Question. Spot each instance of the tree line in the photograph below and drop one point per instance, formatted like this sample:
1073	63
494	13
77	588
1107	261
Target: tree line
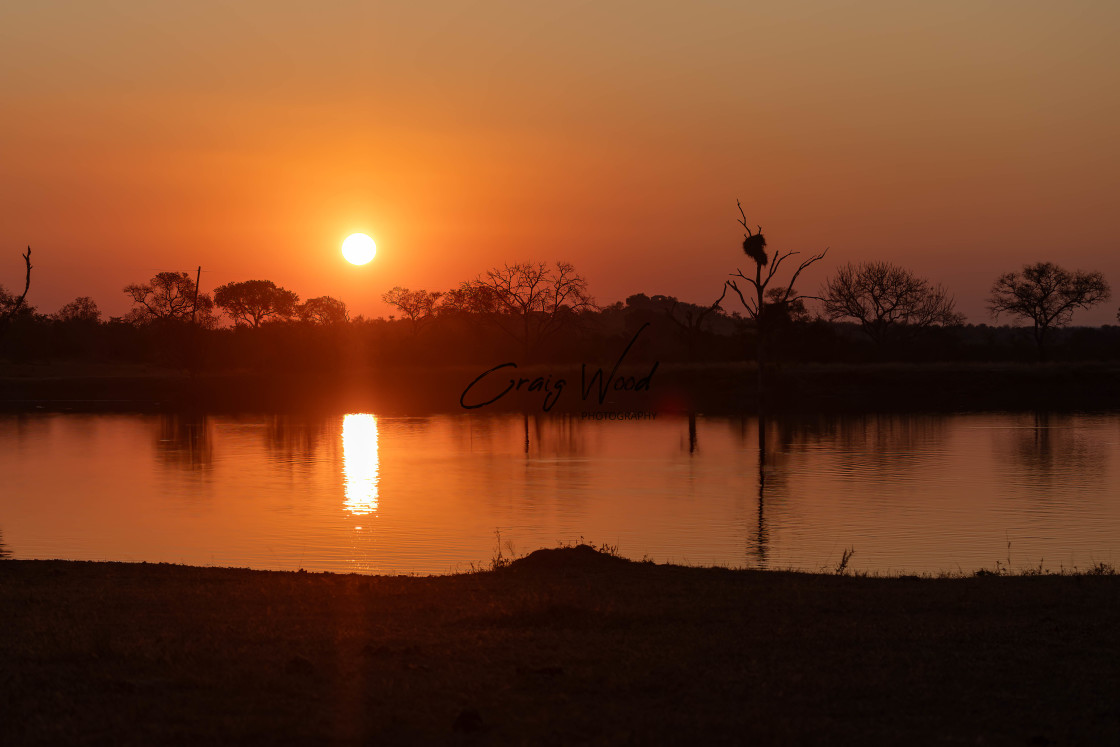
544	311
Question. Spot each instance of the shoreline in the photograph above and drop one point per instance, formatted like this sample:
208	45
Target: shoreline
710	389
561	646
839	569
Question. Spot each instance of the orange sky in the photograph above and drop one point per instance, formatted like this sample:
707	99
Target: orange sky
960	139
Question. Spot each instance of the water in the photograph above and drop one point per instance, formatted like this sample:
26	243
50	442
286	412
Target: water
360	493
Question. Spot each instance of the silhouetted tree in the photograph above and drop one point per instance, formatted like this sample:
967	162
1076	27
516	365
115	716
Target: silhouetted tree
169	297
1047	295
784	309
252	302
537	299
888	301
11	305
470	297
754	246
323	310
689	318
81	309
417	306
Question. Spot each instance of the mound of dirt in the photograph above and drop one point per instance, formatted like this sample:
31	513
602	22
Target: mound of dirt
580	556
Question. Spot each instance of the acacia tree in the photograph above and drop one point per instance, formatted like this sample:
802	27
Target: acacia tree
888	301
323	310
82	309
170	297
533	300
766	300
1047	295
417	306
252	302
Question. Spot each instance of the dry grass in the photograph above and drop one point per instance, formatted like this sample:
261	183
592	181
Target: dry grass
563	646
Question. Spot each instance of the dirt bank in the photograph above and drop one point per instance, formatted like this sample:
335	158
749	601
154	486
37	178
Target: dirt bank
566	646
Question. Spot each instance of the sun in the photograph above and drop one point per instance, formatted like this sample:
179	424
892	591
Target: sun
358	248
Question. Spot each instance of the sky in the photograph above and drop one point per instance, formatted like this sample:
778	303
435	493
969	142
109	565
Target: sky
960	139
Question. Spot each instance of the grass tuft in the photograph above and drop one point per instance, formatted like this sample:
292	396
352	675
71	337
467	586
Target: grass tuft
842	566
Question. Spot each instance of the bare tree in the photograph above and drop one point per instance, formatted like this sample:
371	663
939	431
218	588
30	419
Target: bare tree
888	301
169	297
1047	295
754	246
11	305
253	302
537	299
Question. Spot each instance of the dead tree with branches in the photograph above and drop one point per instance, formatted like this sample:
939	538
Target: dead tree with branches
765	298
11	305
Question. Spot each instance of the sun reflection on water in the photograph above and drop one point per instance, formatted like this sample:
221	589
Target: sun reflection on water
360	463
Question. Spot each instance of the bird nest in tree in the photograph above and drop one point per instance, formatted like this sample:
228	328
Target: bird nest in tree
754	246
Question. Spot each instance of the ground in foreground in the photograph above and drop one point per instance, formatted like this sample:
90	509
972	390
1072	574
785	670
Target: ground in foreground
565	646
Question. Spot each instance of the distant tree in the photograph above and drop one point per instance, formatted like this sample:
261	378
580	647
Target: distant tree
169	297
11	305
470	297
417	306
81	309
536	299
888	301
252	302
785	309
779	298
323	310
689	318
1047	295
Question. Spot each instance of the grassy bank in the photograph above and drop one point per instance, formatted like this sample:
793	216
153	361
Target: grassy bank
564	646
711	389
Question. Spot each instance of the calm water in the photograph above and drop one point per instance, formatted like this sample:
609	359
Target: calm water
429	495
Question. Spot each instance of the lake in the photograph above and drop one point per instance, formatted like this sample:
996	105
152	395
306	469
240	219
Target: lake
368	494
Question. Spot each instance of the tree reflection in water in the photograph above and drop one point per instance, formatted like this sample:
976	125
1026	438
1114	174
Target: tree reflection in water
1057	447
295	440
762	537
561	435
185	440
775	438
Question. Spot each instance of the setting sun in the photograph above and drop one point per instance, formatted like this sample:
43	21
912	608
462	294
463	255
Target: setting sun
358	248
